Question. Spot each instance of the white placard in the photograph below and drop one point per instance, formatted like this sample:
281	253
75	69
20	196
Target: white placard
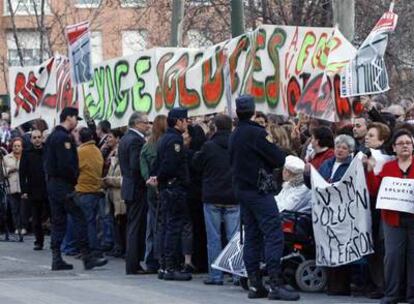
396	194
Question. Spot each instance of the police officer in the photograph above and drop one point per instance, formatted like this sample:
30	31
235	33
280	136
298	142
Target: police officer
171	175
62	170
251	152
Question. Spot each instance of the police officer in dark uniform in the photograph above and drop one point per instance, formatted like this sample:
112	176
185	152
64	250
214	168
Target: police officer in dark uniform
171	175
62	170
250	153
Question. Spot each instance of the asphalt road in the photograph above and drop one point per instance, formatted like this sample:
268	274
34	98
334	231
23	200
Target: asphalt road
25	277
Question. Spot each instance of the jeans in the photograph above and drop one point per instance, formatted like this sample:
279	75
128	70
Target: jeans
69	244
214	216
18	210
106	223
89	203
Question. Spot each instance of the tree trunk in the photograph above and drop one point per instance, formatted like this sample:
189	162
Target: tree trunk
344	17
177	23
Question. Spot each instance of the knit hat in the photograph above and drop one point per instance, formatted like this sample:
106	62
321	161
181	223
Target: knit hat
294	164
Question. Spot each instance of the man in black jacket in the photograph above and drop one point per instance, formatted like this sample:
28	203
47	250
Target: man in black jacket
133	189
33	184
213	161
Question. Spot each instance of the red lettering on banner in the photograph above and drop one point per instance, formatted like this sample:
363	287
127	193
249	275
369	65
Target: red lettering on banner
189	98
213	85
159	98
242	46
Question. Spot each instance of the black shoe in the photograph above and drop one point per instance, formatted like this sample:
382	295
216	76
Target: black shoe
189	268
280	292
61	265
256	287
210	281
161	273
177	276
38	247
90	262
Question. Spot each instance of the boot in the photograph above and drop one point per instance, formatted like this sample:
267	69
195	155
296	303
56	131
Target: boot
256	287
90	261
280	292
174	275
58	263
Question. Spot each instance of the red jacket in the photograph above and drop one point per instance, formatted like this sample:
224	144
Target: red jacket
319	158
390	169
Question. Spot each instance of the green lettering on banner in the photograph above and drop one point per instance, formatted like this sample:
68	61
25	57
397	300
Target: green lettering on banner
122	96
308	42
141	101
96	110
110	100
272	83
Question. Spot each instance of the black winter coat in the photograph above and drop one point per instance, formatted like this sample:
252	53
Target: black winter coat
32	174
213	161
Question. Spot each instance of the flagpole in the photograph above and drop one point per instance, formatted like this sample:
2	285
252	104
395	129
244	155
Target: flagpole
392	6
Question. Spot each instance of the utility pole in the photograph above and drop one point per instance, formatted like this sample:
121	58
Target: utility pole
237	18
177	23
344	17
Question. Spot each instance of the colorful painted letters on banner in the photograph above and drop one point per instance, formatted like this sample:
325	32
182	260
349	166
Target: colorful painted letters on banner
287	69
41	91
341	217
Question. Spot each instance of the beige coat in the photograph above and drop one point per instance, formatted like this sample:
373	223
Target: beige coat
11	171
113	181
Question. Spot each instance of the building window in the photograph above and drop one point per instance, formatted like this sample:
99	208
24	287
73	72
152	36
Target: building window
96	47
133	3
29	42
196	39
87	3
134	41
26	7
200	2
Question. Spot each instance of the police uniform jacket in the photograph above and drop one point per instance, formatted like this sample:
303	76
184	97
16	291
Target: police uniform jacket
61	156
250	151
171	166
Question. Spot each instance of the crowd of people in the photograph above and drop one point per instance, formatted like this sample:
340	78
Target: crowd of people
166	195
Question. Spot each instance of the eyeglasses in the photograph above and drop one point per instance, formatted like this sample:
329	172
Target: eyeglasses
405	143
144	122
36	137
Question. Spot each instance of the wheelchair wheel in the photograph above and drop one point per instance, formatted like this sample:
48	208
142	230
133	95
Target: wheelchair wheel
310	277
244	283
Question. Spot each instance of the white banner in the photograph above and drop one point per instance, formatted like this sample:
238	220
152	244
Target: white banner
396	194
286	69
79	49
231	258
366	73
341	217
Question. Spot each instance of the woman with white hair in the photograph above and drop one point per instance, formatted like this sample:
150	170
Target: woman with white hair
334	168
294	196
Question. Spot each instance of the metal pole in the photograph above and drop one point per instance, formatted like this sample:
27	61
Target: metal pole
237	18
344	17
177	23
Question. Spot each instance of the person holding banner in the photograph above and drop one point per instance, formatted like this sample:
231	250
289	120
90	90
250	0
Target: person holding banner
332	170
398	225
253	157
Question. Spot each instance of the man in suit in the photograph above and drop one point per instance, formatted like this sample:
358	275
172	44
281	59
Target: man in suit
133	189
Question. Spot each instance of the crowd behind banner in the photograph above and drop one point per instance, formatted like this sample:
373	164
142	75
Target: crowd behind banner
382	241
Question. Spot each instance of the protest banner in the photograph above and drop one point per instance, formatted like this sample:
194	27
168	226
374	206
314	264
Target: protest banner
41	91
341	217
396	194
230	259
287	69
367	74
79	49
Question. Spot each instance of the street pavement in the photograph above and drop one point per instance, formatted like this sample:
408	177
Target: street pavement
25	277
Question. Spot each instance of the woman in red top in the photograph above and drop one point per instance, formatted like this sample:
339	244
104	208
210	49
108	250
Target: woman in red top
398	226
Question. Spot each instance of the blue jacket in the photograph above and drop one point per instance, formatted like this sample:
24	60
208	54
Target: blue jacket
326	169
61	156
171	167
250	151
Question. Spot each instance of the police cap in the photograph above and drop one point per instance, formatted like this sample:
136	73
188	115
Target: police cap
178	113
68	112
245	103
